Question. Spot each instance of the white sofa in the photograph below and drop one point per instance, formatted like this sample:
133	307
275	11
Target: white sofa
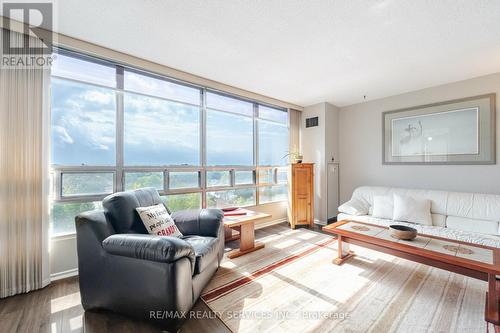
469	217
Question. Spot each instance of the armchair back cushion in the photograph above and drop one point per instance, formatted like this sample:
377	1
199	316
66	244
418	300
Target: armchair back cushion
120	209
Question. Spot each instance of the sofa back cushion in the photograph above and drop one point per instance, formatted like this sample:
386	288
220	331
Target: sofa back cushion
438	198
120	209
474	206
466	224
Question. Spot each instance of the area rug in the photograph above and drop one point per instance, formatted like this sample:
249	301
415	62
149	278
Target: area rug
292	286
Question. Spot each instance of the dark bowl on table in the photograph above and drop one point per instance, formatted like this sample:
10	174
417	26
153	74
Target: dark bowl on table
402	232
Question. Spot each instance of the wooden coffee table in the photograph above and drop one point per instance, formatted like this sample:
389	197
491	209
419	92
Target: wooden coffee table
245	225
480	262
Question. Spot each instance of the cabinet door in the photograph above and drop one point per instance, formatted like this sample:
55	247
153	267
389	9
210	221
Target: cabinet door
302	183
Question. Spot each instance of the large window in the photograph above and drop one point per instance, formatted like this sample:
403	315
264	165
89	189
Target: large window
117	128
83	124
273	136
160	132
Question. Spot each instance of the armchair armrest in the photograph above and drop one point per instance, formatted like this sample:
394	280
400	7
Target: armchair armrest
203	222
149	247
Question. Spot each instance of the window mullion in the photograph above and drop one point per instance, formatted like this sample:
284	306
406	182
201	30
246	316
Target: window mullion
203	148
256	151
119	178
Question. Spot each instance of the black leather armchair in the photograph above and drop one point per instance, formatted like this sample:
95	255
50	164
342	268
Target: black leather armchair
124	269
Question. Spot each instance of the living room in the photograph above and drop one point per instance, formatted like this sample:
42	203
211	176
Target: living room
249	166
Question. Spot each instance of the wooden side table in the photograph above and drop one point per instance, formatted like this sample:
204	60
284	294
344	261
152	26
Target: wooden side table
245	224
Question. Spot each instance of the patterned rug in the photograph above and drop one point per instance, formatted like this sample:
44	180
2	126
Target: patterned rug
292	286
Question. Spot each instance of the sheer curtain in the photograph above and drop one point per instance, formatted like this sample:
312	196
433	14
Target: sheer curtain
23	177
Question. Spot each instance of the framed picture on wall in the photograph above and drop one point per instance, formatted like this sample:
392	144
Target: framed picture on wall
460	131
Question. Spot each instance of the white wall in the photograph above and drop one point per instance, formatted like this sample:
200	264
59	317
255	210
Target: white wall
318	145
332	133
361	145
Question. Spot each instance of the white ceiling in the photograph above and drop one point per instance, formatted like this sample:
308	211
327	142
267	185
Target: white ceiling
303	52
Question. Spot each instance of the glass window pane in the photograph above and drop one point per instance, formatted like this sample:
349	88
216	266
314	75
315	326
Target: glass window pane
176	202
162	88
179	180
272	193
231	198
273	114
83	124
282	175
273	143
62	215
87	183
243	177
158	132
266	176
135	180
229	139
81	70
229	104
218	178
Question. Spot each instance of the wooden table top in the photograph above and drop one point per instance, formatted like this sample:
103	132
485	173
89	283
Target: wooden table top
478	257
250	216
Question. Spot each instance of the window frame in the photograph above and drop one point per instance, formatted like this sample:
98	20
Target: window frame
120	169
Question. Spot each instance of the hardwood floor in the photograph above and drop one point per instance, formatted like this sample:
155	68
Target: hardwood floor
57	309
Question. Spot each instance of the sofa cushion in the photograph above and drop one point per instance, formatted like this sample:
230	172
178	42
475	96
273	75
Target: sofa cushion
383	206
474	225
438	220
158	221
464	236
438	198
205	250
409	209
355	206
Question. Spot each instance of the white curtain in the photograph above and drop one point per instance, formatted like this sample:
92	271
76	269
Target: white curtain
23	177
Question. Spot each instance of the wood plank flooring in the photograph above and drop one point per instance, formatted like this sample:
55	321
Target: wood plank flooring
57	309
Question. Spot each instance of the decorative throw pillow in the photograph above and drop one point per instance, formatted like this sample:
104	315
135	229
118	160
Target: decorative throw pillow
158	221
409	209
354	206
383	206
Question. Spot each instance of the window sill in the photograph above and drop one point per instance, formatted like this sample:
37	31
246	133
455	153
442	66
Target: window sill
63	236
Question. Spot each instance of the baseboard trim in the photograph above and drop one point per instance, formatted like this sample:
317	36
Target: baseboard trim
64	274
320	222
270	223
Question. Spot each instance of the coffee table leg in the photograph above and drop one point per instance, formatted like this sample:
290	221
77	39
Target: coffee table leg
247	237
343	252
247	241
492	311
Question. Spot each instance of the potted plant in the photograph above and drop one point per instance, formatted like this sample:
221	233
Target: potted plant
294	156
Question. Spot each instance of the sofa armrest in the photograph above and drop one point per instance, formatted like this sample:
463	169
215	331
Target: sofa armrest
203	222
149	247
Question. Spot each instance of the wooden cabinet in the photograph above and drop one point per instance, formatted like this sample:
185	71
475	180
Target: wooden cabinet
301	198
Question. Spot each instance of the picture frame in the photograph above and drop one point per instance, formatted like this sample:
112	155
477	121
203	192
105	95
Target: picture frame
460	131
